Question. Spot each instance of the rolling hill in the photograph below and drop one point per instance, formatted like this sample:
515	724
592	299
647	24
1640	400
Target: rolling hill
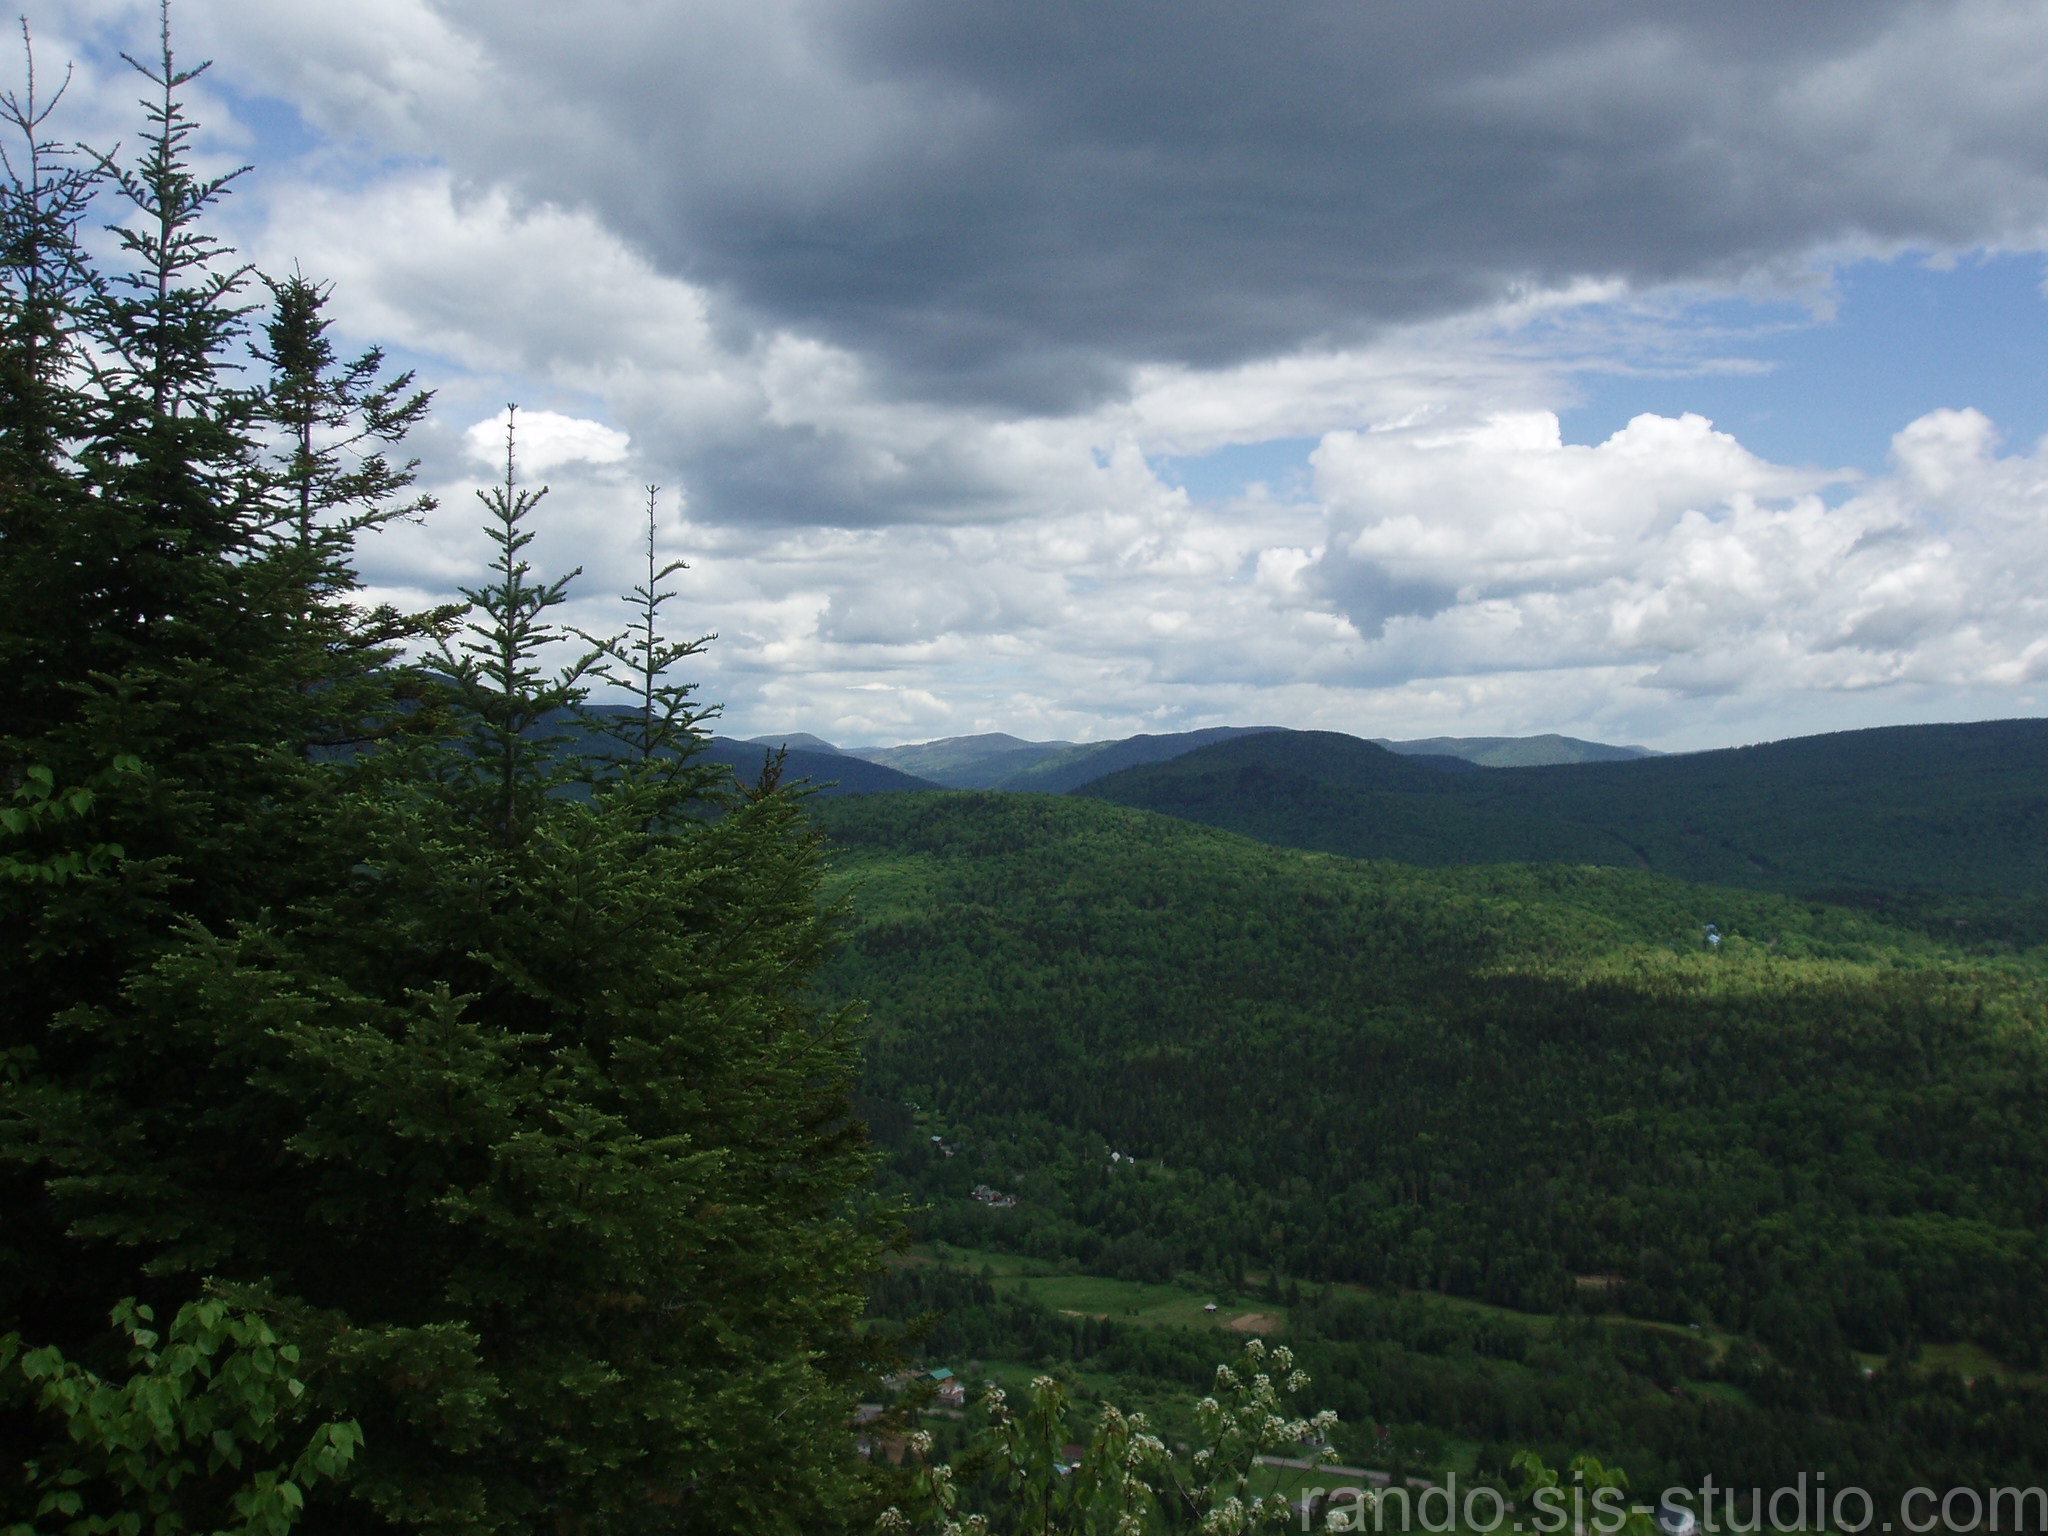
830	772
1516	751
1085	764
1905	811
997	761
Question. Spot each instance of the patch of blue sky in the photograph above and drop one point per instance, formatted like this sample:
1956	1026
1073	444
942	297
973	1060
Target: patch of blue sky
1830	388
1225	474
274	129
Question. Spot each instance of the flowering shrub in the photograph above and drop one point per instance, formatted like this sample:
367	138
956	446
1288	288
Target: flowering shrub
1242	1420
1124	1472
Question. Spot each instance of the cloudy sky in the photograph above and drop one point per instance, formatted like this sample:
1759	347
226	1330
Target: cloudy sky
1673	374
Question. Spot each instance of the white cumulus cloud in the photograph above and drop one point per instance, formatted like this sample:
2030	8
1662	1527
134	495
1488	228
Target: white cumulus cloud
543	440
1672	551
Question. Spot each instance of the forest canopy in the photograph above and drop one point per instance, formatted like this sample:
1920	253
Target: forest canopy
1192	1059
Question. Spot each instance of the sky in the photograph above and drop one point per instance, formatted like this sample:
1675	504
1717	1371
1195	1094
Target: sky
1668	374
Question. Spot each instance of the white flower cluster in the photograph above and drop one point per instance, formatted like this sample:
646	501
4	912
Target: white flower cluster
1235	1516
1126	1468
1245	1419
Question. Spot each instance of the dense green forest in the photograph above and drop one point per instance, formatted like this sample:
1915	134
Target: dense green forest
1542	1086
1948	820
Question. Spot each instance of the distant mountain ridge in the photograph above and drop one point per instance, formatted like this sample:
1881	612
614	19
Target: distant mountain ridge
1915	814
796	741
964	762
996	760
1516	751
828	770
1943	809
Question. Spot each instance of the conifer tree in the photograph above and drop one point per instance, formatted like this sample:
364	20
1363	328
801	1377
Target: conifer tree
518	713
331	413
654	742
154	615
44	197
165	659
508	1106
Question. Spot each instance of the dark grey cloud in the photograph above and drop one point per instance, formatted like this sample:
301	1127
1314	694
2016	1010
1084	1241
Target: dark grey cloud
1016	202
803	475
1368	594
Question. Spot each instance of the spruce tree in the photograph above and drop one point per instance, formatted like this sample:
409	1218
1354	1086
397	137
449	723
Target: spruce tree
518	715
158	612
166	658
655	740
337	419
485	1068
530	1131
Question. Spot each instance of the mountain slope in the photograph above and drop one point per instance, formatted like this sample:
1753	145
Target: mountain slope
1337	794
1486	1081
1517	751
1084	764
1953	808
963	762
1950	809
997	761
797	741
831	773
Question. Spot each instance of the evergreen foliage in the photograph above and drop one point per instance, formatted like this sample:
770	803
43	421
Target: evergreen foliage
517	712
664	724
337	420
482	1070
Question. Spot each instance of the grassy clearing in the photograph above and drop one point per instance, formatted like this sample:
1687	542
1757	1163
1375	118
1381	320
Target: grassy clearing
1176	1306
1725	1391
1541	1324
1971	1362
1128	1301
1179	1306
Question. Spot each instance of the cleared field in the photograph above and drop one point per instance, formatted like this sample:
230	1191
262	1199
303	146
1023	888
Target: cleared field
1155	1305
1971	1363
1127	1301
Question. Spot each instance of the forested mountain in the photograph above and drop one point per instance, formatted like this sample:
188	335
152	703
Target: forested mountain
796	741
1486	1079
1516	751
1810	1126
1906	811
997	761
1005	762
820	768
1083	765
1337	794
964	762
828	772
